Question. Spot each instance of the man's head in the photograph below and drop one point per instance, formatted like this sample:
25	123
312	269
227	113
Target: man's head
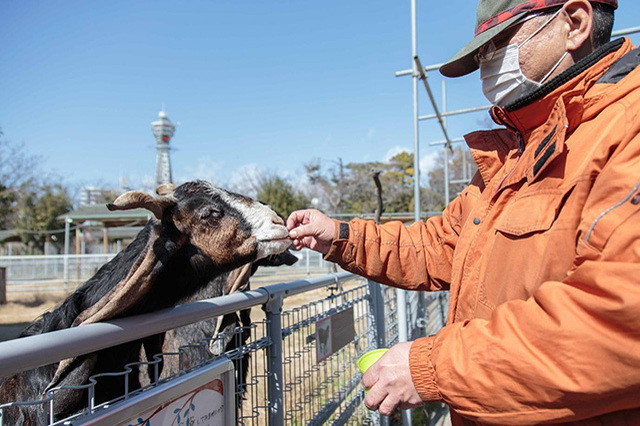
579	27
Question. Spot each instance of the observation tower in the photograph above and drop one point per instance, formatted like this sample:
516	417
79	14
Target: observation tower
163	131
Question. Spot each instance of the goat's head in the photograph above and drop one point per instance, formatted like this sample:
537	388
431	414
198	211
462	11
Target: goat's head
228	228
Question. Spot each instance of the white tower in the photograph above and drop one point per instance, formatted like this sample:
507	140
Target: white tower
163	131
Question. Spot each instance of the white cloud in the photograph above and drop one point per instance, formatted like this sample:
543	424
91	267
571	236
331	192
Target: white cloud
395	151
244	179
427	162
205	168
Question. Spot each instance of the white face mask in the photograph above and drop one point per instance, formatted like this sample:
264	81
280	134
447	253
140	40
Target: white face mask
502	78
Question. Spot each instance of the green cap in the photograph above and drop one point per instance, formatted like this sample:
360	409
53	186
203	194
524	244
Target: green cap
493	17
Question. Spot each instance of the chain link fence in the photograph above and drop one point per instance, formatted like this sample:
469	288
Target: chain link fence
291	377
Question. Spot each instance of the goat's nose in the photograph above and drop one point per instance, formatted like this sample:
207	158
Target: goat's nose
277	220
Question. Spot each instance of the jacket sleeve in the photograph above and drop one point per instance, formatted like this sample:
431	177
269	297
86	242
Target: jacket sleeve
416	257
572	350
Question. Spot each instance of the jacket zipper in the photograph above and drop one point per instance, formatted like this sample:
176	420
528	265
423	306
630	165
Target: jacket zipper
500	117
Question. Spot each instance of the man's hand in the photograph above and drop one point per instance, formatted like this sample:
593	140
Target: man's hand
389	382
312	229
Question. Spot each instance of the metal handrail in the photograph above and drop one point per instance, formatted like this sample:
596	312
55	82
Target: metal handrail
34	351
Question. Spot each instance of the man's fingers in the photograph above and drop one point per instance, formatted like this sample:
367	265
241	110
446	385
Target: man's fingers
370	377
374	397
388	406
302	231
295	219
299	217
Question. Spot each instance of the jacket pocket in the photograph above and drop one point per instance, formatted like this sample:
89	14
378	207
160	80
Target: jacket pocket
532	213
533	242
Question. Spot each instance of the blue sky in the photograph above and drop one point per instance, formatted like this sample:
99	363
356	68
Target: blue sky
269	84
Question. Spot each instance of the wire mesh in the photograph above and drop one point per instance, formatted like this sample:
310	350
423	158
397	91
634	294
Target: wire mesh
325	391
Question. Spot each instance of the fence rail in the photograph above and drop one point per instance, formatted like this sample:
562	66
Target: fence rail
286	382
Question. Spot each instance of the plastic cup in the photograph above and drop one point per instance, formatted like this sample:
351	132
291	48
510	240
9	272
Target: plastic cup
368	359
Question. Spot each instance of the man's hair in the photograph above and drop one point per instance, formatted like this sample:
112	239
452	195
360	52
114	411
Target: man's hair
602	22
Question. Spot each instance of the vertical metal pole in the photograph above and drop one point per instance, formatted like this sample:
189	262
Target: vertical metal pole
273	309
377	334
376	310
401	295
67	224
416	134
446	148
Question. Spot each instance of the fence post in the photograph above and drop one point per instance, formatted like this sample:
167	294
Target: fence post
377	327
67	227
273	309
3	286
376	309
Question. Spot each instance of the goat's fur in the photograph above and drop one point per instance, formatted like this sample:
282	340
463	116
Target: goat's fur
199	233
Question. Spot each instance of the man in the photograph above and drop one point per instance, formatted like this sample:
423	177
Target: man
541	252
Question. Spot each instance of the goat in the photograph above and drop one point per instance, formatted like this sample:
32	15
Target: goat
223	334
198	232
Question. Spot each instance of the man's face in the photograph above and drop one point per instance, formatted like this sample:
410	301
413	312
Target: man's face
542	51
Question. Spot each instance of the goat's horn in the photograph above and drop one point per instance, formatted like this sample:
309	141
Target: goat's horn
135	199
165	188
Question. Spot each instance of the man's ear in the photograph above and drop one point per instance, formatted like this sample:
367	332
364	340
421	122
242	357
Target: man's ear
578	15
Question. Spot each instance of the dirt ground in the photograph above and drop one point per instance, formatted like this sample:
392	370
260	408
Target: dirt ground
22	308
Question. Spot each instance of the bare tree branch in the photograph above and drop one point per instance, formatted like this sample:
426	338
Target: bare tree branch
379	209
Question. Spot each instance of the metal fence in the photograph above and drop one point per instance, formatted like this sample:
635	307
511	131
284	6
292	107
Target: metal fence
287	382
59	272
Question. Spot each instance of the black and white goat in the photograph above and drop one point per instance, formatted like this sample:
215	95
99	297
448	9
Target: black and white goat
199	233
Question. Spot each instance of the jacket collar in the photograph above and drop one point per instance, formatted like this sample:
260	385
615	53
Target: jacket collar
541	120
526	114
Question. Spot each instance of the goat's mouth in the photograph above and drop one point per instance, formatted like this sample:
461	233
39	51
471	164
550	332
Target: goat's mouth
279	234
273	245
276	240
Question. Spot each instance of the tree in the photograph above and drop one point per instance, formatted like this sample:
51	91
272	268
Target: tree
461	168
351	188
327	184
281	195
7	201
18	170
37	211
17	166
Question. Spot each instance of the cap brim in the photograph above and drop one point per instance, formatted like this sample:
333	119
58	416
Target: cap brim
462	62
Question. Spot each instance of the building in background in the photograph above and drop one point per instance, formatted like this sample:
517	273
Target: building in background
92	195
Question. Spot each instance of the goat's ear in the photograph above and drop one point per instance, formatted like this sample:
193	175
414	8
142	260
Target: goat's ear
77	372
138	199
237	280
160	247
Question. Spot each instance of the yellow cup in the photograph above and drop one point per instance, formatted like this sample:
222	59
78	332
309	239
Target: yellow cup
368	359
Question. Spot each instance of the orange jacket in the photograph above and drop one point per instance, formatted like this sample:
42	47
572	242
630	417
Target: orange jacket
541	254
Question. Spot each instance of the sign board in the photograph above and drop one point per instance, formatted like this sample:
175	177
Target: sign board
334	333
205	397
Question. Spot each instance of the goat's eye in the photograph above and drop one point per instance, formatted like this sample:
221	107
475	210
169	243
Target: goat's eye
211	213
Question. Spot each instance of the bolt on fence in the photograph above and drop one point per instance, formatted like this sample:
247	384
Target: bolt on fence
291	378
